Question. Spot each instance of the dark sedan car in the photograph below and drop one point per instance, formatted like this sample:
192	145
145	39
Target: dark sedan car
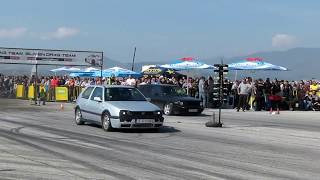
171	99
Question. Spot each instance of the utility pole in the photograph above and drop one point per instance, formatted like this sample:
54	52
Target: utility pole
36	80
134	56
101	67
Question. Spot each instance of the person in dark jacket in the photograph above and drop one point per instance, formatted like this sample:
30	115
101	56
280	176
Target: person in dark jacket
275	97
259	93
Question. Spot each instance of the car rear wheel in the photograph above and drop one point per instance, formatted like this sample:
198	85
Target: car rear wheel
78	117
106	123
167	109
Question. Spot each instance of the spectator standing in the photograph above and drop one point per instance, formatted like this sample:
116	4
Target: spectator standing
71	84
267	93
187	85
210	92
202	93
131	81
243	90
234	92
54	84
259	93
275	97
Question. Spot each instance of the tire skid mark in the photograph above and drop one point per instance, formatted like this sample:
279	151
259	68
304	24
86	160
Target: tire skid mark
90	138
21	139
124	149
110	157
98	139
37	161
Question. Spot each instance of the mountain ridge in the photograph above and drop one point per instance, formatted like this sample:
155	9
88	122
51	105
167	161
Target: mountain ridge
302	62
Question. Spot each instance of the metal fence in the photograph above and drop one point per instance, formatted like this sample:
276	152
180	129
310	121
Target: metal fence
58	93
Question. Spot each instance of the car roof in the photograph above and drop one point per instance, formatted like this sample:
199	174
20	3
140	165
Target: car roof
157	85
111	86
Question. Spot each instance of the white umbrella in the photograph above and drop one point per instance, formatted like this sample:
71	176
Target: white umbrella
73	69
187	63
255	64
117	72
59	69
91	69
66	69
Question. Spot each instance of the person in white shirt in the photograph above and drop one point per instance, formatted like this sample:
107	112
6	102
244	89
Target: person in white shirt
131	81
234	90
243	90
202	93
85	83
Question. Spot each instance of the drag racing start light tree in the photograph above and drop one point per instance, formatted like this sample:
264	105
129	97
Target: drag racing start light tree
220	91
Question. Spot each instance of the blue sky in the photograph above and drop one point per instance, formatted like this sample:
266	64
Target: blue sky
161	30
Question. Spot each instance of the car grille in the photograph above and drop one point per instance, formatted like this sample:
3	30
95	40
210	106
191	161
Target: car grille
143	125
143	115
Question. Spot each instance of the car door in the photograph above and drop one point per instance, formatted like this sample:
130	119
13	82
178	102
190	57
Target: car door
84	100
95	104
156	96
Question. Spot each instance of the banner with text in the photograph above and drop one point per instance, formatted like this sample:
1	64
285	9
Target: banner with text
50	57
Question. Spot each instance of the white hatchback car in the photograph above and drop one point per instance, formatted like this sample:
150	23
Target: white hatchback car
116	107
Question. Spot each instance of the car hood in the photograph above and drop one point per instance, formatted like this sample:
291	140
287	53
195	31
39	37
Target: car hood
183	98
134	105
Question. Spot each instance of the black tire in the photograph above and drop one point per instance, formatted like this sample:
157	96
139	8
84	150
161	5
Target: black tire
78	117
106	123
157	130
167	109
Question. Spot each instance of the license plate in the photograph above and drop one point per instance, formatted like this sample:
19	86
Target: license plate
144	120
193	110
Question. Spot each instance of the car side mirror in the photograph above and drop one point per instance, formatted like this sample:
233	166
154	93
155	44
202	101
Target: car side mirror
148	99
98	99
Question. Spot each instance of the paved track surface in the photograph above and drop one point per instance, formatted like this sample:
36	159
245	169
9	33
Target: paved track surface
43	142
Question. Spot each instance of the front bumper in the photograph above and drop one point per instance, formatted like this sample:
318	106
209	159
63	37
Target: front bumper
130	122
177	109
133	124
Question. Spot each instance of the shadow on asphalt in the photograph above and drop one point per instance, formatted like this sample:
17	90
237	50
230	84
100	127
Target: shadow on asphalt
164	129
188	115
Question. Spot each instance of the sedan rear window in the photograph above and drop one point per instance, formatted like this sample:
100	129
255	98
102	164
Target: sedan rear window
123	94
173	91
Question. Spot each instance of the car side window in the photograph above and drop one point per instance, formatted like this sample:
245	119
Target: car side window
142	89
86	93
156	91
97	93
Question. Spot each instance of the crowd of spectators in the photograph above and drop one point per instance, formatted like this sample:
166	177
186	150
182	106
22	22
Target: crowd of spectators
276	94
268	94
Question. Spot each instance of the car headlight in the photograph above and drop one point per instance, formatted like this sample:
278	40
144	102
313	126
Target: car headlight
157	112
125	112
179	102
201	104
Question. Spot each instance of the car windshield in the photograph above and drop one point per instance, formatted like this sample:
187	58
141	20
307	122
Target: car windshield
123	94
173	91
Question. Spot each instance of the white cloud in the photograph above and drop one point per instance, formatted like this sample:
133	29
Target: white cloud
61	32
283	40
12	33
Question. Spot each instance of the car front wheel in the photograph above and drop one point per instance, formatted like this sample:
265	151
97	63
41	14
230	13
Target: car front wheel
106	123
167	109
78	117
